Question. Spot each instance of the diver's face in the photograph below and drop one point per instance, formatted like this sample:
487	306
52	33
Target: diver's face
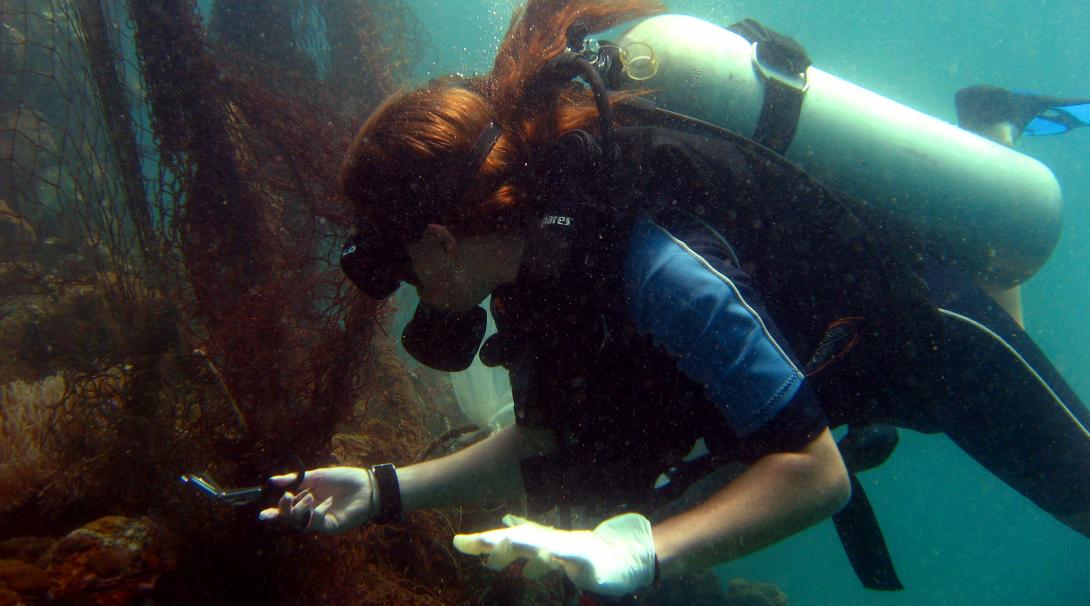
446	276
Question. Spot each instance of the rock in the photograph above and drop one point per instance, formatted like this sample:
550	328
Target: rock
113	561
26	581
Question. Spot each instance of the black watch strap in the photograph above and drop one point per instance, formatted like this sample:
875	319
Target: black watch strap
389	493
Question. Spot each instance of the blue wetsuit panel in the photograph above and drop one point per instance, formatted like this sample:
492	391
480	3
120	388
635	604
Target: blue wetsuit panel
699	314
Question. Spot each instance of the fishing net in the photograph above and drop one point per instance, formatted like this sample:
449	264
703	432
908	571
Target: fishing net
169	291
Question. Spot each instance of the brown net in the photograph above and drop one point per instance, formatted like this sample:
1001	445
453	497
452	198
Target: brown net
169	293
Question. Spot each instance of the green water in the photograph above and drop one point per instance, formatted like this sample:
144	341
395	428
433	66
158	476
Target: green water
958	535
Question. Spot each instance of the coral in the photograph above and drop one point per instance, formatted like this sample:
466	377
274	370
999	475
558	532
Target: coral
26	415
110	562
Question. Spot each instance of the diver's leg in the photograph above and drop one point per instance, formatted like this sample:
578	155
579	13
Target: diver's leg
1034	446
1007	406
1010	299
1017	417
982	110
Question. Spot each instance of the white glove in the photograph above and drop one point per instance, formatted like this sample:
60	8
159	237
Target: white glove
616	558
346	498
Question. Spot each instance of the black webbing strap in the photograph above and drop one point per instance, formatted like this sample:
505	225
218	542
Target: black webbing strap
863	542
864	448
782	64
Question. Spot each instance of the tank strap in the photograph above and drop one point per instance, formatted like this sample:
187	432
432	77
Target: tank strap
781	63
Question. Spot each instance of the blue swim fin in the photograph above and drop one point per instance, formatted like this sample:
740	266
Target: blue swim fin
987	110
1060	118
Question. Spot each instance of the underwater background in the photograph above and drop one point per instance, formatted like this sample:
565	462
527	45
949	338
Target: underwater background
170	301
958	536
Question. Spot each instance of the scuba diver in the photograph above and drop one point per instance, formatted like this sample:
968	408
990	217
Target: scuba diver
673	299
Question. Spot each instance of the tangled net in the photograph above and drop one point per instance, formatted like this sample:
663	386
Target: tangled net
169	231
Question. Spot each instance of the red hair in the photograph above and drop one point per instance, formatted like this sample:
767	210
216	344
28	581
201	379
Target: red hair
409	155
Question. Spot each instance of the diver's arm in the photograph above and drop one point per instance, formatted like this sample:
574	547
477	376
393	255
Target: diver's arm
336	499
779	495
483	473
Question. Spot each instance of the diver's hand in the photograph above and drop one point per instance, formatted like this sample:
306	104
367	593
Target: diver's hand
616	558
344	496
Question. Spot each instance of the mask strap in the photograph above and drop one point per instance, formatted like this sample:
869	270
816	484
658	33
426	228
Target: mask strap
476	156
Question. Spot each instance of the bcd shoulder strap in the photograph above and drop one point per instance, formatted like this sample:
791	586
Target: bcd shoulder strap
781	62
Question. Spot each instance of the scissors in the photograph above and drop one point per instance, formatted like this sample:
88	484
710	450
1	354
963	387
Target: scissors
239	497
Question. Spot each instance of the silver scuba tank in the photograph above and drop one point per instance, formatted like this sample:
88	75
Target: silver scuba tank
997	212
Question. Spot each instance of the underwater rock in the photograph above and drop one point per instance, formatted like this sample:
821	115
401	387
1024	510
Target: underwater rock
741	592
113	561
27	582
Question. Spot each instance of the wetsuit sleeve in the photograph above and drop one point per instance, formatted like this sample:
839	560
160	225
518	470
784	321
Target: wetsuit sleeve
694	302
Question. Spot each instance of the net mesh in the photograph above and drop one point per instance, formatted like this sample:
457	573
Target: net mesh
169	292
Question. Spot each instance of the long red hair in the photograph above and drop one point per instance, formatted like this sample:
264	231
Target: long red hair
410	154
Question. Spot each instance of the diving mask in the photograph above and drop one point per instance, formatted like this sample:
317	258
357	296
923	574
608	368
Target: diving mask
377	264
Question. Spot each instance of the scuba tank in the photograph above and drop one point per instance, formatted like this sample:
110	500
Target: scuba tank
994	212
